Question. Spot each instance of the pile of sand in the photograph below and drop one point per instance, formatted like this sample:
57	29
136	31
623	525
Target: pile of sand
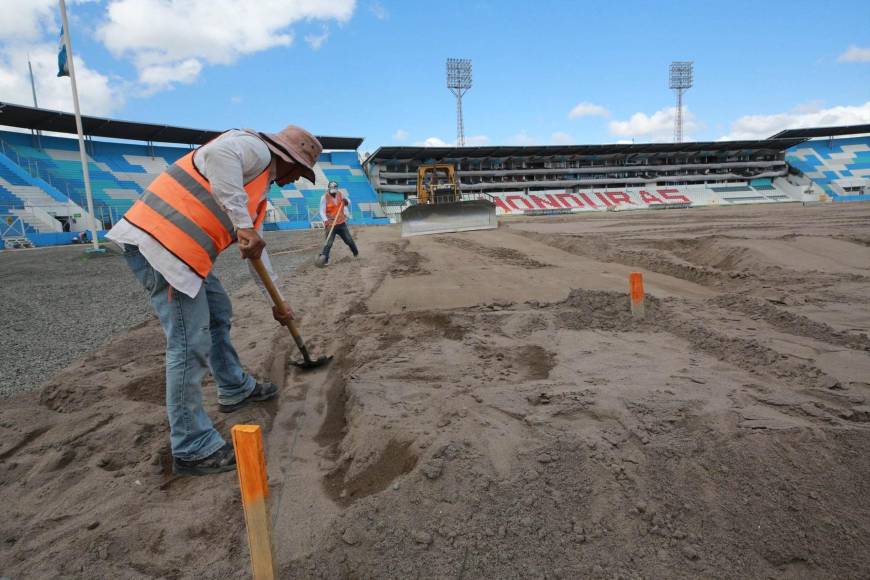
493	411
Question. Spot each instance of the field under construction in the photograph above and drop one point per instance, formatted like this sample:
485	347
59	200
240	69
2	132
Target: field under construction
493	410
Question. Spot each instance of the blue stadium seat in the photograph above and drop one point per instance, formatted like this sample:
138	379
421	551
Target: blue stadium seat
833	163
119	172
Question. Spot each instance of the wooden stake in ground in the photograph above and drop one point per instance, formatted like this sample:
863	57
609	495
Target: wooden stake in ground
251	465
635	286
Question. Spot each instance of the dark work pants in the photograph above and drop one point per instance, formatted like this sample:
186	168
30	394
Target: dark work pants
342	231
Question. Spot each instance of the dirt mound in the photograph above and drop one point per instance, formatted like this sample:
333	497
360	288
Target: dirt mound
578	508
505	256
487	417
604	310
790	322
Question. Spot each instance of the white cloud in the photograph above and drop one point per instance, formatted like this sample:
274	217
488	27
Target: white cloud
400	135
588	110
561	138
159	77
205	31
855	54
433	142
98	94
476	140
522	138
470	141
315	41
763	126
656	127
27	20
236	100
379	10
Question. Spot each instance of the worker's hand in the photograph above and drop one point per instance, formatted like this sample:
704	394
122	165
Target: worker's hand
345	201
283	315
250	243
327	223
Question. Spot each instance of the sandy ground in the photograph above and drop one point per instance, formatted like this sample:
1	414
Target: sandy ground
494	411
61	292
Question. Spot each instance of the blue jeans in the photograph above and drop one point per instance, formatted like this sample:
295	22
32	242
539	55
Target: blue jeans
197	337
342	231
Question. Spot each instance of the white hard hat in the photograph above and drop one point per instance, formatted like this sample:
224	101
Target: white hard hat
333	186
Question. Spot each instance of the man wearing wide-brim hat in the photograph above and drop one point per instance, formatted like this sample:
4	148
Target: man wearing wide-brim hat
203	203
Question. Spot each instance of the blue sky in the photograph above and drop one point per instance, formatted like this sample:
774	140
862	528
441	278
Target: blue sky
375	69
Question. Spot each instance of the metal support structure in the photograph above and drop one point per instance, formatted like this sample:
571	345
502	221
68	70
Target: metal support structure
78	114
37	134
460	127
681	79
459	82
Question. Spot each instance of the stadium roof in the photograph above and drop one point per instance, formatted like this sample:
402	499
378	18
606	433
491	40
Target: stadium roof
423	153
822	132
60	122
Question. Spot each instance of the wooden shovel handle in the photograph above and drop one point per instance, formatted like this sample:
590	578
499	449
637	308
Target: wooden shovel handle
276	297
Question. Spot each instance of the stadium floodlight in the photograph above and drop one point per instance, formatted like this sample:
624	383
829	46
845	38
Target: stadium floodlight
459	81
681	78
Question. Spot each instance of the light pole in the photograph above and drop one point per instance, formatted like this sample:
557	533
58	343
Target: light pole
459	81
681	78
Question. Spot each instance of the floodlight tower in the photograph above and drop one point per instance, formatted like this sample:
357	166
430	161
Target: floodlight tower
681	81
459	81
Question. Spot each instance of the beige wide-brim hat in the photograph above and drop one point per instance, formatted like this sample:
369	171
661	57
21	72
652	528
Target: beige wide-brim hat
295	145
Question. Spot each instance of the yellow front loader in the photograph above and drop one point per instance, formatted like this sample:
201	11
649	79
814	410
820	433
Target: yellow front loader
441	207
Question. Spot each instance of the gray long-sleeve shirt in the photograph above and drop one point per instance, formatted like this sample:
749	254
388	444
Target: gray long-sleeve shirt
227	162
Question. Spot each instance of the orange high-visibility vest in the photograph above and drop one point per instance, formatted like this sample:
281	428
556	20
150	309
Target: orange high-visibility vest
178	211
333	205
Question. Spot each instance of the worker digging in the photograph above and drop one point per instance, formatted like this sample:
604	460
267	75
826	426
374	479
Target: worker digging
335	211
203	203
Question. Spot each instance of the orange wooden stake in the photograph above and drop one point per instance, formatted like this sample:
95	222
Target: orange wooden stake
251	465
635	285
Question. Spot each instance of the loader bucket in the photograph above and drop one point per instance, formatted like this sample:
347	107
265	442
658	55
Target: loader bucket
457	216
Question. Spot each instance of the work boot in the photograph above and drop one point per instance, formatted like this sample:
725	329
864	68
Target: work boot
224	459
261	392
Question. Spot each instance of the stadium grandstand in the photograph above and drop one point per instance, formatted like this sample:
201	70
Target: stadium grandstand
837	159
42	195
559	179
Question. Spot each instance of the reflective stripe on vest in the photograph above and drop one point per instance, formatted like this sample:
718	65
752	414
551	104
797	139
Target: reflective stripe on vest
332	206
180	213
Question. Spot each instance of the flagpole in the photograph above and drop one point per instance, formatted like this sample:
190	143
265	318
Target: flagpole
36	133
72	76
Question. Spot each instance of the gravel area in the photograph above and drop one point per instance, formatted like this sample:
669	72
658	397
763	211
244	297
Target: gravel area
58	303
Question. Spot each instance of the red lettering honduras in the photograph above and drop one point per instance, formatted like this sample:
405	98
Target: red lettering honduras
510	200
648	197
678	198
618	197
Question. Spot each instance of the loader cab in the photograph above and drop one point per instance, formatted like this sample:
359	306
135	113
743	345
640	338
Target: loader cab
437	184
441	207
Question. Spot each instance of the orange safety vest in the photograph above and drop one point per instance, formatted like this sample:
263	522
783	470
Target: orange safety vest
333	205
179	211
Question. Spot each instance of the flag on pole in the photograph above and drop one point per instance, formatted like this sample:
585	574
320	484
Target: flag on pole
62	64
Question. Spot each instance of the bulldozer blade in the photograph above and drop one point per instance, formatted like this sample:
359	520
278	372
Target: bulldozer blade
440	218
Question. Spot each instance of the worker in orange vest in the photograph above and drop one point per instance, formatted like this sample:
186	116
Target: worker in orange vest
209	199
335	207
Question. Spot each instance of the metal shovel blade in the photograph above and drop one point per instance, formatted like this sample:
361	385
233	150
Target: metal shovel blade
308	364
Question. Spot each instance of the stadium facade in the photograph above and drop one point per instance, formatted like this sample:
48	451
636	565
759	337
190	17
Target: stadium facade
522	180
42	196
42	190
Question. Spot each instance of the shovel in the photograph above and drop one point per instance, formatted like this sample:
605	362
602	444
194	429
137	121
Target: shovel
320	260
307	362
